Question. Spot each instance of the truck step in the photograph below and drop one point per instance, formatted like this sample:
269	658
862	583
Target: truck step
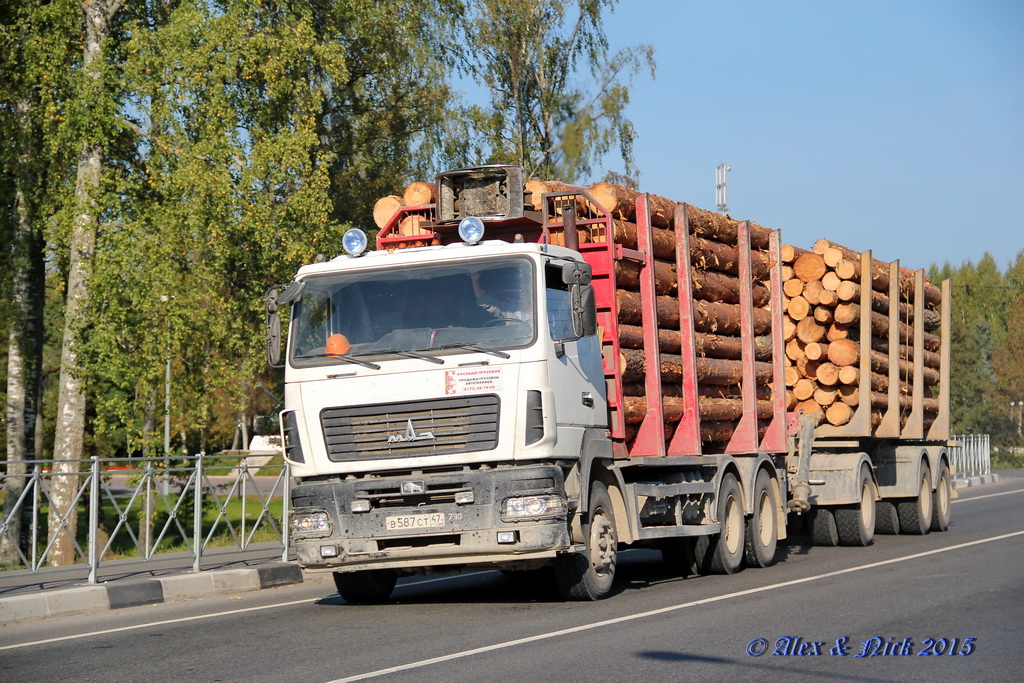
652	532
659	491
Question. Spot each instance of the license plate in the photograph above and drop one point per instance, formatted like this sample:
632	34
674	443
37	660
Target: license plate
430	520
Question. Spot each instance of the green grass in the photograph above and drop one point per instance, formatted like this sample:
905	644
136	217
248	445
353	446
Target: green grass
1006	459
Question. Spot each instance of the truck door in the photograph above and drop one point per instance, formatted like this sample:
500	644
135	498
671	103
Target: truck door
574	368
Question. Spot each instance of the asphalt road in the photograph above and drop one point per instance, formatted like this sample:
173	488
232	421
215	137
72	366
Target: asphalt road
908	592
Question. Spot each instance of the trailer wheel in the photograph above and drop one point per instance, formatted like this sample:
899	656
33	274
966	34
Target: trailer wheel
366	587
941	500
725	549
823	527
886	519
762	536
916	513
856	523
589	575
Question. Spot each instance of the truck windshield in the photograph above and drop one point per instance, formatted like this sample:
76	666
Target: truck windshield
484	304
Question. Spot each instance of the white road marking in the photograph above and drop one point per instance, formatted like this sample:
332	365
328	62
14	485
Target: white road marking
209	616
156	623
656	612
990	495
521	641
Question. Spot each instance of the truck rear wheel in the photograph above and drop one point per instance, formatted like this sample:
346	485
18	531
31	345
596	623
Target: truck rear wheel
366	587
725	549
589	575
823	527
762	532
856	523
886	519
916	514
941	500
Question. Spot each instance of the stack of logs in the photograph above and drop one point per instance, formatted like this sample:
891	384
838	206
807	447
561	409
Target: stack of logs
822	289
714	276
714	271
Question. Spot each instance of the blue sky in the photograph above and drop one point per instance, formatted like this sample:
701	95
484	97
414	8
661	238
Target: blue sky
894	126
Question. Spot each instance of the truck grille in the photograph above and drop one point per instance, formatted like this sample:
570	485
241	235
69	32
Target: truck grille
412	428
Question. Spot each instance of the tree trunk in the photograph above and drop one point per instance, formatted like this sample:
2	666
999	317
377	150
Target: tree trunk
70	431
618	201
24	350
419	193
711	225
809	267
385	208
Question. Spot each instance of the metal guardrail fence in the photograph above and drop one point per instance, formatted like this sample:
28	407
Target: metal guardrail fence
151	494
971	457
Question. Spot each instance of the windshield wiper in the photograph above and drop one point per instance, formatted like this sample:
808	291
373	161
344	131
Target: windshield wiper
473	347
356	361
422	356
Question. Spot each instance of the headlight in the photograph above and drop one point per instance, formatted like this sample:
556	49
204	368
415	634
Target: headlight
354	241
310	524
471	230
534	507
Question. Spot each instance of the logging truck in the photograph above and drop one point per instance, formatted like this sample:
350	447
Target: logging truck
526	374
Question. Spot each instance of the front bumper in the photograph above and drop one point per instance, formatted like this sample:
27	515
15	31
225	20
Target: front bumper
468	535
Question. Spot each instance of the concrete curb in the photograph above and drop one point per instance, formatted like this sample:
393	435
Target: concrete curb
115	595
979	480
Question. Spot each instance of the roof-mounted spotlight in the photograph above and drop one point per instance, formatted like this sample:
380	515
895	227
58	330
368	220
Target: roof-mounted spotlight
471	230
354	242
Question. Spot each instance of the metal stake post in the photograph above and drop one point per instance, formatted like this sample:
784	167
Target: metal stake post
197	517
36	477
284	511
94	515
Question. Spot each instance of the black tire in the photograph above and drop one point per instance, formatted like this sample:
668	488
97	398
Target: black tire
368	587
823	527
762	537
941	499
725	549
856	523
589	575
886	519
916	513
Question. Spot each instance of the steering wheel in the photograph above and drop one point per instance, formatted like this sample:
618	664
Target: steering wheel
500	321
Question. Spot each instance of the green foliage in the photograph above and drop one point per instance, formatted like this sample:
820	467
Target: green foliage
545	113
987	351
240	138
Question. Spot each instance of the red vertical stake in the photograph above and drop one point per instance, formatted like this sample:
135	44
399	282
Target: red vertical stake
650	438
744	439
686	439
775	440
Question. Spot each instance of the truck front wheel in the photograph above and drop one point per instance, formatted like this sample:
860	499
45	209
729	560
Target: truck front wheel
366	587
589	575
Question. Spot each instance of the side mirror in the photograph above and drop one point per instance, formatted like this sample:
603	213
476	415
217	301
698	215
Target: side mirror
576	273
276	297
584	310
274	340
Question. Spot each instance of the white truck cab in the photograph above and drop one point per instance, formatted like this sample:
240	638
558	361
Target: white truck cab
434	398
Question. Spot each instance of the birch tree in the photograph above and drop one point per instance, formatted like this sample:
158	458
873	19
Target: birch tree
35	40
557	97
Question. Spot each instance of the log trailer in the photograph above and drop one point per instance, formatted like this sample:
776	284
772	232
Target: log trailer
523	379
